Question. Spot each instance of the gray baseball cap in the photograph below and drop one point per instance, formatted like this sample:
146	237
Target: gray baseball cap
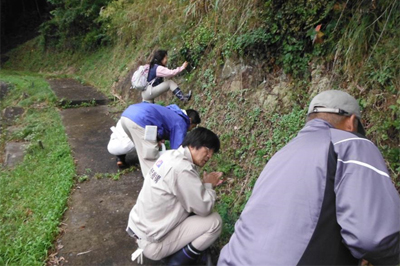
336	102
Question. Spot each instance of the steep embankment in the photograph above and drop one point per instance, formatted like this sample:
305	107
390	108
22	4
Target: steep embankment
254	66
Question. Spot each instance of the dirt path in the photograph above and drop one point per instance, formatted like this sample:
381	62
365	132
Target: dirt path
93	228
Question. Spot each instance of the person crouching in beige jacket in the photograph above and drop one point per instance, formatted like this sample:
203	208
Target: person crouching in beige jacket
173	215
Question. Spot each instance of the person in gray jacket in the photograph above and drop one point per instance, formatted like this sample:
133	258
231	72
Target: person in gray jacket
173	214
326	198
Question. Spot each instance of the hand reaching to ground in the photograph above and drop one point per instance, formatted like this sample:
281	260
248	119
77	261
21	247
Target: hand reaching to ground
160	142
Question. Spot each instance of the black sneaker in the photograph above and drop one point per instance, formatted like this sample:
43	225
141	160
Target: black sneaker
205	258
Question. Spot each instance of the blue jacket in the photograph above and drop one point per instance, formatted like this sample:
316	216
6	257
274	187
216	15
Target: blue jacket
172	124
326	198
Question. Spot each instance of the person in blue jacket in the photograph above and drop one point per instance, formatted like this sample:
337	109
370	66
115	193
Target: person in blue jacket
172	124
326	198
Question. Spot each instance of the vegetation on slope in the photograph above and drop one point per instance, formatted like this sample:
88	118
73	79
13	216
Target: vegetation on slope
254	66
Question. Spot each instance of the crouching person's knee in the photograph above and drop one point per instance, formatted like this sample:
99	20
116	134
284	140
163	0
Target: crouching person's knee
216	223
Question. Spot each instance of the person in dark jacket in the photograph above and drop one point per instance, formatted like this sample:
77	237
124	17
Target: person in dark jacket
157	85
326	198
172	124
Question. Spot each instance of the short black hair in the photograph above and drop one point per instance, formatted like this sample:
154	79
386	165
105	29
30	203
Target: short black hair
194	116
202	137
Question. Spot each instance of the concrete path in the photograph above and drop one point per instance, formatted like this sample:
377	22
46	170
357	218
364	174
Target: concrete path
71	92
93	228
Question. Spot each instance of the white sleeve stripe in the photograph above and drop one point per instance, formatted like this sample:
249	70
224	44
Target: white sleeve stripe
365	165
344	140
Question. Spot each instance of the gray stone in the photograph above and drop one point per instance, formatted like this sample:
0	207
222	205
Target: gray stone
14	154
236	85
12	129
272	96
319	80
228	70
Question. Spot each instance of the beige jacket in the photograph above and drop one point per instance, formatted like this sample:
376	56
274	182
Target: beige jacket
171	191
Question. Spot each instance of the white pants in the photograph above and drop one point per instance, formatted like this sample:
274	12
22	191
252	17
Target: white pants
150	93
120	143
198	230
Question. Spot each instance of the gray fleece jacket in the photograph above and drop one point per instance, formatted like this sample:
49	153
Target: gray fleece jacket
326	198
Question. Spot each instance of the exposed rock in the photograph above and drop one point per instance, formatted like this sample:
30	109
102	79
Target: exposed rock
278	95
249	80
228	70
236	85
319	81
273	93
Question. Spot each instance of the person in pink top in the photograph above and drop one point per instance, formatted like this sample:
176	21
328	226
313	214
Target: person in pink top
157	85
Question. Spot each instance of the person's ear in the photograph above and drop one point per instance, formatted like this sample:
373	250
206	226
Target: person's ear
350	124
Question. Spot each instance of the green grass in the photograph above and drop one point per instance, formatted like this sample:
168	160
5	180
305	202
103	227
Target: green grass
34	193
358	54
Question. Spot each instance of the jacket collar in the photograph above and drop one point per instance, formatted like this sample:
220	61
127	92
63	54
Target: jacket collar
186	152
318	122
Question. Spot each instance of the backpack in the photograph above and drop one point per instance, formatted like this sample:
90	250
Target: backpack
139	78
